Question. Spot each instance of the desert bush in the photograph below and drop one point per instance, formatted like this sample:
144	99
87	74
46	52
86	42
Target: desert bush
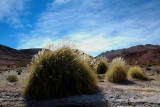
12	78
117	71
101	67
136	72
19	71
58	73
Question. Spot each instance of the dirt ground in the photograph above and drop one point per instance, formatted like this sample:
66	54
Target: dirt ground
130	93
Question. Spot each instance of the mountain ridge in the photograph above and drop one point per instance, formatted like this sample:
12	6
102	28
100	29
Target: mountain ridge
130	49
141	54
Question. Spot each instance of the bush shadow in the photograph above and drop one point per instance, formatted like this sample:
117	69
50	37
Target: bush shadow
85	100
128	82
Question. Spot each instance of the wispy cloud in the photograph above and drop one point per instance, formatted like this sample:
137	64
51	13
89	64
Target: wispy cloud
10	11
96	25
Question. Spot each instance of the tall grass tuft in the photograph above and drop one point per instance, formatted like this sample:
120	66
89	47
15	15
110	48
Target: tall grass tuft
58	73
136	72
117	71
101	67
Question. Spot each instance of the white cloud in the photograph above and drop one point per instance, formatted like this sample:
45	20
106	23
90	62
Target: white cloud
95	26
10	11
60	1
33	42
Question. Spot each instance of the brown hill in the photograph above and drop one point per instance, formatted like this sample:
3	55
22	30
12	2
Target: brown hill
141	54
31	52
152	56
131	49
10	56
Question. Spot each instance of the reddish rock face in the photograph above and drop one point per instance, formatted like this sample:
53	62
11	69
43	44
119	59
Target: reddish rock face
146	57
152	56
147	54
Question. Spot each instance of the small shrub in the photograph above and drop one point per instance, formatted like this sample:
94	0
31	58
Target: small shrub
117	71
59	73
19	71
101	67
12	78
136	73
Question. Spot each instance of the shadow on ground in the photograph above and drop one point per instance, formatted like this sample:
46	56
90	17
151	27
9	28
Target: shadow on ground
128	82
85	100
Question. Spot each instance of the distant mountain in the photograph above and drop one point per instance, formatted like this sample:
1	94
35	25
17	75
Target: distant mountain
137	54
131	49
31	52
12	56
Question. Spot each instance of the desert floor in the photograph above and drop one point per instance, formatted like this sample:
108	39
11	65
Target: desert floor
130	93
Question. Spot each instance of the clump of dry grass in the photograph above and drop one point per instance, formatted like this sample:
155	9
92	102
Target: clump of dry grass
117	71
57	73
12	78
136	72
101	66
86	58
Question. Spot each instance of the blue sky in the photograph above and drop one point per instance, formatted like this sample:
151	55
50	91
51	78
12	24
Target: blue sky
95	25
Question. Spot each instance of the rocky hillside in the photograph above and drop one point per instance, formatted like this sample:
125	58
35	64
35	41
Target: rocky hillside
31	51
131	49
144	54
10	56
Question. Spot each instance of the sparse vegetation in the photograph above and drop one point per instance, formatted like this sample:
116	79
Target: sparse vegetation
19	71
21	64
12	78
117	71
136	72
59	73
101	67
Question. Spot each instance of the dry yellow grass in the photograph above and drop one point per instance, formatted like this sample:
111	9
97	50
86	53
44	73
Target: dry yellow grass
136	72
59	73
117	71
101	67
12	78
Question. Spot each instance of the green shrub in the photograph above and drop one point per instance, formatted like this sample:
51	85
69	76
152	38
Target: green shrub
101	67
12	78
136	72
59	73
117	71
19	71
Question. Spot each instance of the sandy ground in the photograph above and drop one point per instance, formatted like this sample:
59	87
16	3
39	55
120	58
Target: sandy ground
130	93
